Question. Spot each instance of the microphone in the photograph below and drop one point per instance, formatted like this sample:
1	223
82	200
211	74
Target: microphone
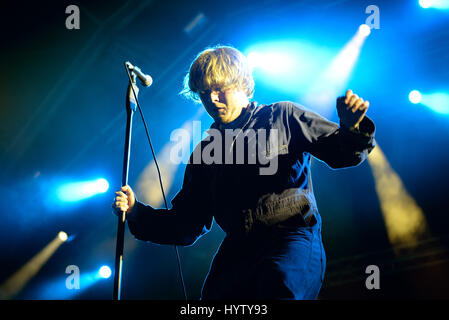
145	79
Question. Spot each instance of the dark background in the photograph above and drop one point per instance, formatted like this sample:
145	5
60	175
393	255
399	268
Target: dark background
62	119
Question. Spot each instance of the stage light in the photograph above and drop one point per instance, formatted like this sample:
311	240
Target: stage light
62	236
437	102
332	82
105	272
254	59
14	284
425	3
415	96
364	30
287	66
404	220
66	287
436	4
102	185
273	61
76	191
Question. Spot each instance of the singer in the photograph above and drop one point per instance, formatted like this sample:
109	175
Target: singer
273	247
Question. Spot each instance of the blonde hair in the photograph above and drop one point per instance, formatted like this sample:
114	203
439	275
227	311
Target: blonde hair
219	67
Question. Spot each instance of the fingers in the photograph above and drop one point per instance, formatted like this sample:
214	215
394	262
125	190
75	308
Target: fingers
120	204
124	199
127	189
348	96
354	102
121	194
357	105
365	105
121	197
121	201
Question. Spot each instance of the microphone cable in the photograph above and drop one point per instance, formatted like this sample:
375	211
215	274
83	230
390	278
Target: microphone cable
159	174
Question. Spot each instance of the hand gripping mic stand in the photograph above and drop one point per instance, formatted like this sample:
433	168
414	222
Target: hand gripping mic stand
131	104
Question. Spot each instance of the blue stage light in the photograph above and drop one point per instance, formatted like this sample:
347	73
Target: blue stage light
287	65
105	272
425	3
102	185
437	4
415	96
76	191
274	62
254	59
332	82
66	287
437	102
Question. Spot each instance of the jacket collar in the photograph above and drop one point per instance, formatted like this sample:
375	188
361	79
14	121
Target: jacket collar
240	121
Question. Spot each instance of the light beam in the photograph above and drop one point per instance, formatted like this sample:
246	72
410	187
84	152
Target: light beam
14	284
404	219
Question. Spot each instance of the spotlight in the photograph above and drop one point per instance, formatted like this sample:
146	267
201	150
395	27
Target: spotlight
62	236
436	4
415	96
425	3
15	283
437	102
332	82
76	191
102	185
254	59
404	220
364	30
105	272
274	62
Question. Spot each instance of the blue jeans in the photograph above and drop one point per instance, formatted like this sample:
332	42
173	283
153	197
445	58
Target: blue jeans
285	263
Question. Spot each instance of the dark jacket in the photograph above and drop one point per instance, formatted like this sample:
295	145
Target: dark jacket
241	199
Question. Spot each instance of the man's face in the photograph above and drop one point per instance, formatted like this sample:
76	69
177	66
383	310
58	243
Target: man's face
224	106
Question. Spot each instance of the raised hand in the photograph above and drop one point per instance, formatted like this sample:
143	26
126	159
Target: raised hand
351	109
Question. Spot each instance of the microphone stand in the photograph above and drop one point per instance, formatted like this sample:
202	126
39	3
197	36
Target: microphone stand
131	106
